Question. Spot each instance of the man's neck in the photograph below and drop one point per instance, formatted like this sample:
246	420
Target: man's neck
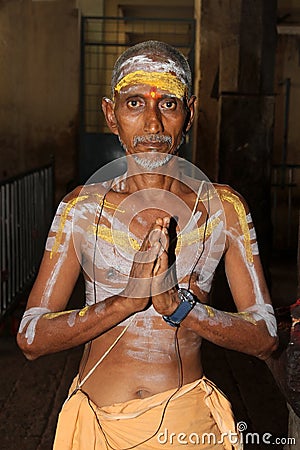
166	177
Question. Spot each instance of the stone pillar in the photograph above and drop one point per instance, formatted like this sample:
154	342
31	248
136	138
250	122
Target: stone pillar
237	43
208	25
294	420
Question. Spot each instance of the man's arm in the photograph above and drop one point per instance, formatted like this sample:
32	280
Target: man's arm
50	329
47	326
252	329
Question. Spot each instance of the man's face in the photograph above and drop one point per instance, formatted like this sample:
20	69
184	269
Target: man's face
149	119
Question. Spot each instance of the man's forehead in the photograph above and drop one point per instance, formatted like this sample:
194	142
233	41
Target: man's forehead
151	63
140	90
162	81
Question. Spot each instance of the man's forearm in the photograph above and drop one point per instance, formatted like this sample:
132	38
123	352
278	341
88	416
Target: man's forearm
246	331
43	331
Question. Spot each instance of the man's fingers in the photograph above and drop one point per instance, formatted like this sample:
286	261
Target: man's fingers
154	234
155	246
166	222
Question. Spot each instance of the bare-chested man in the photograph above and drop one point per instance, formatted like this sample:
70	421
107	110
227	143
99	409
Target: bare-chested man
148	243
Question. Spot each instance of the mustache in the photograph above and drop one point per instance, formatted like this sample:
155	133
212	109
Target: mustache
152	138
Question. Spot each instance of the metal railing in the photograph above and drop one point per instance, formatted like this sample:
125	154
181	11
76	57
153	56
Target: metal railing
26	209
285	205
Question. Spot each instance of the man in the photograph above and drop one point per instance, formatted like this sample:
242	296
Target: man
148	243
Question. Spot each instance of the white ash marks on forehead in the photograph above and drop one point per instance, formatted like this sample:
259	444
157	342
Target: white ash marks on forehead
150	63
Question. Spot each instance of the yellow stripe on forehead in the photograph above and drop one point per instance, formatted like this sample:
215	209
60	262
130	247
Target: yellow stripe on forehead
162	80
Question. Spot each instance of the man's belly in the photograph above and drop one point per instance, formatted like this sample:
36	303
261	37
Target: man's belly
144	362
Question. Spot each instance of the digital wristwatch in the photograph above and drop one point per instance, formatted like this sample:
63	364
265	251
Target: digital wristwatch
187	302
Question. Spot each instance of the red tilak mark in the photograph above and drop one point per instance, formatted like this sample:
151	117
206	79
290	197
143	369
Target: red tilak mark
153	93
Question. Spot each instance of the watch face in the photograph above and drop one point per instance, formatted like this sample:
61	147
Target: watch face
186	295
187	303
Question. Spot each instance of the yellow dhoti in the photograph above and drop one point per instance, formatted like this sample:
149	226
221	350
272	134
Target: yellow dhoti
197	415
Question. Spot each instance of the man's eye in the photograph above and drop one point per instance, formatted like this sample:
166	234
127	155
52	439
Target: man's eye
169	104
134	103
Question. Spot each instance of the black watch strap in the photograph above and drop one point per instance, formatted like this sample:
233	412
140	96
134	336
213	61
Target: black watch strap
187	302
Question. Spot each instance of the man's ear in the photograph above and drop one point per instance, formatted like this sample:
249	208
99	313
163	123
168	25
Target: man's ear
191	107
109	113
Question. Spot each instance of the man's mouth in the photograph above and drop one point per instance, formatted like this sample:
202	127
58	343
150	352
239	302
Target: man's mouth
152	140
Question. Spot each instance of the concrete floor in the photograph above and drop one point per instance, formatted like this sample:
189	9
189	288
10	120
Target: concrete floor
32	393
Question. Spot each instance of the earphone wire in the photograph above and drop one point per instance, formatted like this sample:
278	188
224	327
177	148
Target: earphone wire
204	238
89	343
179	385
83	365
176	342
204	232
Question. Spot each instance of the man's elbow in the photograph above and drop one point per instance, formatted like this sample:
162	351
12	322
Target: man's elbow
28	350
269	346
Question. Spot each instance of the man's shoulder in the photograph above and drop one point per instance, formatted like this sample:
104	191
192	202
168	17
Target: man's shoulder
233	203
84	194
236	210
225	189
228	194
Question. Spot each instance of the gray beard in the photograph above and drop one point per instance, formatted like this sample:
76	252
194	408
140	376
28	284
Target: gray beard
147	162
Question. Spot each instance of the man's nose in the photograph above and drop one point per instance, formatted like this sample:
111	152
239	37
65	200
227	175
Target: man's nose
153	120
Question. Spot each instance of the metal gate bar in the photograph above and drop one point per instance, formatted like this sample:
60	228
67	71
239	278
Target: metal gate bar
285	205
26	210
104	39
